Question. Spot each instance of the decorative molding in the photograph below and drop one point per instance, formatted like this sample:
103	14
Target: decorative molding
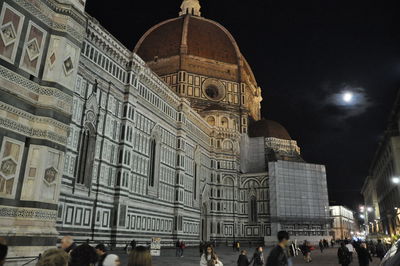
32	132
40	214
19	80
33	118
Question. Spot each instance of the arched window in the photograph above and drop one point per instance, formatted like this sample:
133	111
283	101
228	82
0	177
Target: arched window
211	120
86	160
152	162
224	122
228	145
253	209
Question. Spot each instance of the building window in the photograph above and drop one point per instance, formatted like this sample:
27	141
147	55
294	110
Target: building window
152	162
253	209
195	181
87	156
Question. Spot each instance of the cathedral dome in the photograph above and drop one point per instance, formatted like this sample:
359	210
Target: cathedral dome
268	129
191	35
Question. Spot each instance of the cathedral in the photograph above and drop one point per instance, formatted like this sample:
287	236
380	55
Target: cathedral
107	144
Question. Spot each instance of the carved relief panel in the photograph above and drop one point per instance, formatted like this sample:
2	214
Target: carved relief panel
61	62
10	162
43	174
32	50
11	22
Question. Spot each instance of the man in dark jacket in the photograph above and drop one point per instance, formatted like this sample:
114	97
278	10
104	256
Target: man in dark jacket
102	252
277	256
380	250
243	260
364	257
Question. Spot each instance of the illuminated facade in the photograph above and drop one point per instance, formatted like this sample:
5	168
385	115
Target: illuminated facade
344	225
107	144
380	191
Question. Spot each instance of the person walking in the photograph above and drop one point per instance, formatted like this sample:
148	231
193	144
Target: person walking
343	255
364	257
178	248
210	258
332	243
350	247
102	252
306	250
258	257
182	247
53	257
321	246
201	248
83	255
140	256
68	244
237	246
243	260
278	256
112	260
380	250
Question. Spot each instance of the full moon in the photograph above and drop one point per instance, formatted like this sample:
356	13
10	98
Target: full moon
347	97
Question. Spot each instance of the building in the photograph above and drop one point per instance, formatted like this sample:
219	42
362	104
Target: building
381	189
107	144
344	225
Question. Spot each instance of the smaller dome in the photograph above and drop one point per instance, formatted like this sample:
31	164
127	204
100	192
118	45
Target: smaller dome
268	129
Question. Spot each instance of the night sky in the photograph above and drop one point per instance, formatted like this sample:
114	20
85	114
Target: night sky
304	54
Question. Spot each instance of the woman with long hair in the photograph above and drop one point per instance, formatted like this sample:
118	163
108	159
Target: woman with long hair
140	256
258	257
210	258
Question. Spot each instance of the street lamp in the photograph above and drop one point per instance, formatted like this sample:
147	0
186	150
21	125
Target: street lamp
362	216
369	209
396	180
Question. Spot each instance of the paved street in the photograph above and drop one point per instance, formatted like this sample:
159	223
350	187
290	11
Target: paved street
228	257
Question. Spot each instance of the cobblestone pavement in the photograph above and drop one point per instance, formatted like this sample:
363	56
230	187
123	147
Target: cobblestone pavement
229	258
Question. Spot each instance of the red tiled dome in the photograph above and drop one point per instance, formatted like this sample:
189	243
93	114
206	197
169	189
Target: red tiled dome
268	129
191	35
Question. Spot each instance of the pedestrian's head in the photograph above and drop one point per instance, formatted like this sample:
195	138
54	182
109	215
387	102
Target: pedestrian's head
3	251
140	256
342	244
379	241
243	252
259	249
210	249
283	237
101	249
363	245
66	242
112	260
83	255
53	257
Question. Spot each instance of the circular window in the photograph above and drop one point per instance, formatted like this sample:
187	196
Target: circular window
212	92
213	89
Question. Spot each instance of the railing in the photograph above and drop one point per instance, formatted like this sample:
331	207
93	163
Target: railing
30	259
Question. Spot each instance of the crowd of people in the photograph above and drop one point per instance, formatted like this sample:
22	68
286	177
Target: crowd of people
365	251
71	254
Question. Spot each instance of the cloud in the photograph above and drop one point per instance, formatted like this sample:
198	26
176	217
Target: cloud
330	103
